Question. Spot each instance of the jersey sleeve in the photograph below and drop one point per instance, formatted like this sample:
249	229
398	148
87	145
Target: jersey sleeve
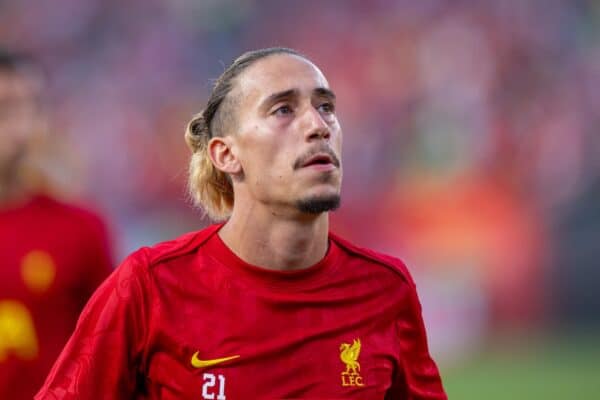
418	377
101	359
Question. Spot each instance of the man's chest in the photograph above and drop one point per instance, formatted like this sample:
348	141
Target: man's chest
289	347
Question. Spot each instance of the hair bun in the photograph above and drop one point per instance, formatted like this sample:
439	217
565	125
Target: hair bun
197	133
198	126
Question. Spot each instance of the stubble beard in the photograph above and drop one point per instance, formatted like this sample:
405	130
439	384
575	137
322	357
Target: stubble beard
318	205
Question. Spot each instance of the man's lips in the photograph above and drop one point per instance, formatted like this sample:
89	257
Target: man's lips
319	159
324	157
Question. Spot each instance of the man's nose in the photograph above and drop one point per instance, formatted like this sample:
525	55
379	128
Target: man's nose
316	127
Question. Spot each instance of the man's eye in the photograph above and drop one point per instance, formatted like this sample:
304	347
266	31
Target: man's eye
327	108
283	110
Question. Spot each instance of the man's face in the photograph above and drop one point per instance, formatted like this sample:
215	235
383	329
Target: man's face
19	114
287	137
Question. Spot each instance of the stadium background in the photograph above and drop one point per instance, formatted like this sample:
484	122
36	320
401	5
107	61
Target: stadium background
472	151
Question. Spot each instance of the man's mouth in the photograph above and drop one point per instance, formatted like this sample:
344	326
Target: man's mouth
323	158
319	159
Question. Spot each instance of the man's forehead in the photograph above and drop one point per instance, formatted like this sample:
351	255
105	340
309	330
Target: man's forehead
279	73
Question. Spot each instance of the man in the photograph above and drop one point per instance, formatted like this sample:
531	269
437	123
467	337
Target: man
53	255
268	304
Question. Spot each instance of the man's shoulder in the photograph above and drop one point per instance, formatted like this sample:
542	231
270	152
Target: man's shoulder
64	208
168	250
73	217
392	263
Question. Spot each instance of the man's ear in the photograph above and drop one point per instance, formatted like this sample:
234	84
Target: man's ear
222	156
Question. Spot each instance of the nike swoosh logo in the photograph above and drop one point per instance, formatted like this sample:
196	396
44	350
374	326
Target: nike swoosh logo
198	363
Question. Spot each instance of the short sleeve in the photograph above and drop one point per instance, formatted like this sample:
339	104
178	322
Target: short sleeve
101	359
418	377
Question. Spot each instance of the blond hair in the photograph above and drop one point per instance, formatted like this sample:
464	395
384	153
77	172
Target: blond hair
208	187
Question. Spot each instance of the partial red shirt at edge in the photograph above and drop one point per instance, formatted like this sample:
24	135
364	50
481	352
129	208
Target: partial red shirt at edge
53	257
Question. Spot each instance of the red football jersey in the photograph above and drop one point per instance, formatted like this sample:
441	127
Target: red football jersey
53	257
188	319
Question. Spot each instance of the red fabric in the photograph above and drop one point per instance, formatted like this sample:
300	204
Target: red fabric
138	334
53	256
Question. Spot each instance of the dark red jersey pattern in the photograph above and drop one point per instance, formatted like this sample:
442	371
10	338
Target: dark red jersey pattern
188	319
52	257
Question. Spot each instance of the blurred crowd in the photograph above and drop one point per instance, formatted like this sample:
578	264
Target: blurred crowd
471	146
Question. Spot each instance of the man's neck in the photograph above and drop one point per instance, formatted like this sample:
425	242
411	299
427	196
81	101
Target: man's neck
11	191
10	197
262	239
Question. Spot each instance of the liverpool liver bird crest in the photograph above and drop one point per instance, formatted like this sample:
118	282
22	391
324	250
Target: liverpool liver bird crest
349	356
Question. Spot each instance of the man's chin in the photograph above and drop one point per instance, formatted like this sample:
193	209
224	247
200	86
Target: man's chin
319	204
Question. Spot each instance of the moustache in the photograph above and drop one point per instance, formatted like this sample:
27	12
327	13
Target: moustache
301	161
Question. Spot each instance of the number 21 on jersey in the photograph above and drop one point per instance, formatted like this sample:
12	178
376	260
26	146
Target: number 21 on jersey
213	387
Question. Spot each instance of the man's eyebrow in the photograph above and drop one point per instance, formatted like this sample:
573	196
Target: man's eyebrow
275	97
321	91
